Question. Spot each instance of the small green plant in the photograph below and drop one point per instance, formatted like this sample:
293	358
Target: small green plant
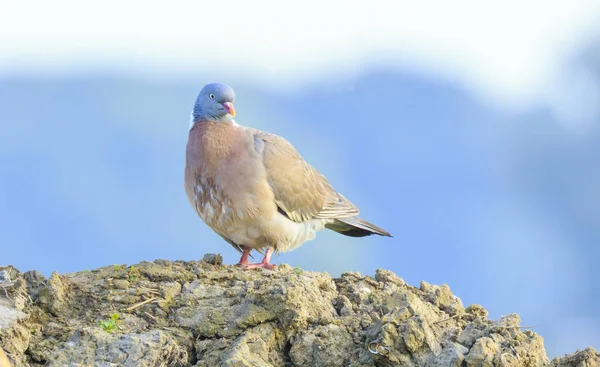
119	267
132	273
298	270
111	324
371	297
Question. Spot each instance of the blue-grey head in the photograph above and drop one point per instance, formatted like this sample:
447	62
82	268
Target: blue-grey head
214	103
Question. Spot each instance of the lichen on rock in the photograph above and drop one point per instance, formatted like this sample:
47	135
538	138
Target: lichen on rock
208	314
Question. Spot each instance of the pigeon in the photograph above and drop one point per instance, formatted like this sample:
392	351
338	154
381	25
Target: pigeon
254	189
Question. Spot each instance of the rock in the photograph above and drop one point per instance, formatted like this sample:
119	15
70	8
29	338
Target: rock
477	310
322	346
386	276
14	335
52	296
213	259
483	353
584	358
254	348
201	313
94	347
453	355
13	287
9	316
442	297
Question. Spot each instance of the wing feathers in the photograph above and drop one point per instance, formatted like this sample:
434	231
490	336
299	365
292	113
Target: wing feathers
300	190
337	206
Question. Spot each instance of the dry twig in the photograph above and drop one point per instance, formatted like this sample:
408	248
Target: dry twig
131	308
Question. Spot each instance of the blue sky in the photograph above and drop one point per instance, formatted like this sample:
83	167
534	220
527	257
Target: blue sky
476	150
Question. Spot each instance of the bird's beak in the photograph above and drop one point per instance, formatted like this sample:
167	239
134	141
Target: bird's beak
229	107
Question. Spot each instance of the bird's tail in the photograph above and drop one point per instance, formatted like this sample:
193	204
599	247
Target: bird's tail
356	227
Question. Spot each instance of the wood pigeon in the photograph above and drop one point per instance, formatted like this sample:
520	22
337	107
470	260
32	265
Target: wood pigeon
254	189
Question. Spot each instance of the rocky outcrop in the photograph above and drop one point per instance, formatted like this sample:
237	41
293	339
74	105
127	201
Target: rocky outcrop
584	358
203	313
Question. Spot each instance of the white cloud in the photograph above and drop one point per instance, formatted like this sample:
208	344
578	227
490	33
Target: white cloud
511	52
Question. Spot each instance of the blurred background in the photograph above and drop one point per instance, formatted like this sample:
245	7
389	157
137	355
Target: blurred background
469	130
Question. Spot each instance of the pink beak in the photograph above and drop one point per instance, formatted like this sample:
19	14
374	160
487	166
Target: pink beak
229	107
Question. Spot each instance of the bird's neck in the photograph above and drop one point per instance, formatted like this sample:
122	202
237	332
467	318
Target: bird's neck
199	115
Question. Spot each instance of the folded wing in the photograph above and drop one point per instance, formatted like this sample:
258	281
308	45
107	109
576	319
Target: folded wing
301	192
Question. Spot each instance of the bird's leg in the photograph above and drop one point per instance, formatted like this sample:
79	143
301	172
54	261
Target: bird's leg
244	259
265	261
263	264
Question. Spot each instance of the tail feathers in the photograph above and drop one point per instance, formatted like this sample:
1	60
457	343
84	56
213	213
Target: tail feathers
356	227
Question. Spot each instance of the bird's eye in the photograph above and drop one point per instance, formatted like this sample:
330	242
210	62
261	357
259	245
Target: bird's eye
211	96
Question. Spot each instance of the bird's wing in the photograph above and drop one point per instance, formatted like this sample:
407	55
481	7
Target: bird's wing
301	192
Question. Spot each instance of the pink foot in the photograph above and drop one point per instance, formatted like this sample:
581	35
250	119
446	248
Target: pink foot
263	264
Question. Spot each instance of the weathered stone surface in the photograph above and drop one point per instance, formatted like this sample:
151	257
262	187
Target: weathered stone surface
52	296
584	358
321	346
95	347
203	313
214	259
14	334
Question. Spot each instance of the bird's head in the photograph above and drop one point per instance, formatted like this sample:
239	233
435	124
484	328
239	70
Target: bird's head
214	103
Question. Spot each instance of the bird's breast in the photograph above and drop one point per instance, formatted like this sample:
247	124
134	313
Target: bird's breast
225	178
213	206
